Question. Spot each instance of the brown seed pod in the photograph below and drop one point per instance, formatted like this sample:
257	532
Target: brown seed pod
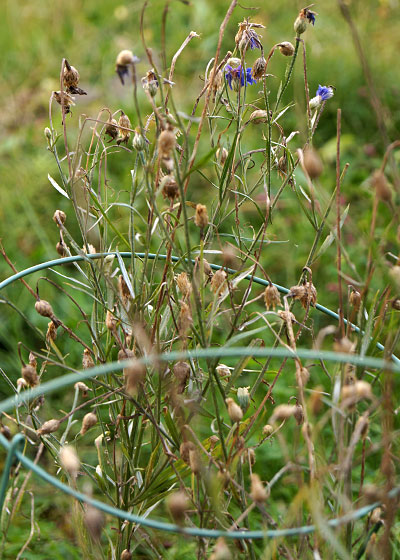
258	493
259	68
259	116
87	360
59	217
286	48
49	427
184	285
178	504
89	420
44	308
166	142
201	216
234	411
218	282
169	187
123	123
312	163
111	129
271	297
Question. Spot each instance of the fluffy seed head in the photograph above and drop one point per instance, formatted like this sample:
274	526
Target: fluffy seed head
89	420
94	521
166	142
49	427
267	430
185	319
234	410
87	360
258	493
184	285
282	412
305	293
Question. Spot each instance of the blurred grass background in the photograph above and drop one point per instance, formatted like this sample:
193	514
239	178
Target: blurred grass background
35	36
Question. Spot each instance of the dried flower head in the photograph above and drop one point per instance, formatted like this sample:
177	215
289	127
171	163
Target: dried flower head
258	493
259	68
69	460
185	319
184	450
312	163
184	285
89	420
126	555
125	59
166	142
355	392
134	375
94	520
305	293
201	216
44	308
59	217
123	123
150	83
267	430
71	79
355	299
87	360
111	321
123	290
298	414
221	550
286	48
49	427
381	185
169	187
323	94
82	387
218	282
246	36
271	297
29	375
178	504
194	461
259	116
61	249
51	333
234	411
282	412
65	100
223	371
111	129
181	371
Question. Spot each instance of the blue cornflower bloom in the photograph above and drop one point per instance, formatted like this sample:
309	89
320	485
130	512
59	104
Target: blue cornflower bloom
311	17
235	75
323	94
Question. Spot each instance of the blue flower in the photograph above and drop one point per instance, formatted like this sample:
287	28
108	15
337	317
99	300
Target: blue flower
236	75
311	17
324	92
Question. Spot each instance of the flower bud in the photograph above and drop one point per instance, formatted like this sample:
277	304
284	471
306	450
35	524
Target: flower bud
22	383
181	371
48	427
259	116
286	48
184	450
234	411
47	133
61	249
89	420
271	297
243	397
257	493
194	461
150	83
111	321
355	299
223	371
138	142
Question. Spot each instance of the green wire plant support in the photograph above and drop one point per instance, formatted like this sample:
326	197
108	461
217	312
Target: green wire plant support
15	446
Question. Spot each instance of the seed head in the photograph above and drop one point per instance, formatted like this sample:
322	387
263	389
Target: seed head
221	550
344	345
286	48
59	217
123	134
234	411
111	129
51	333
223	371
381	186
181	371
134	375
169	187
150	83
271	297
305	17
166	142
185	320
29	375
111	321
298	414
94	521
305	293
184	285
358	391
87	360
89	420
61	249
126	555
222	154
32	360
184	450
258	493
259	116
218	282
286	316
259	68
71	80
194	461
44	308
83	388
312	163
49	427
282	412
201	216
355	299
178	504
123	289
64	99
69	460
304	375
267	430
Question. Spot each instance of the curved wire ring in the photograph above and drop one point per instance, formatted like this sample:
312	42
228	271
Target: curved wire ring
50	386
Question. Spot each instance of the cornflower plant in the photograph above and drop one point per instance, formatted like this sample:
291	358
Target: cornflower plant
166	287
